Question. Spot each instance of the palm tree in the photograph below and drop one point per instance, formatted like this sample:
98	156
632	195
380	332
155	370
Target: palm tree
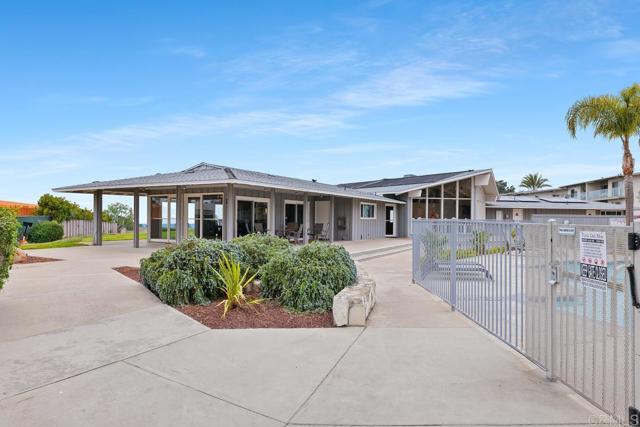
534	181
612	117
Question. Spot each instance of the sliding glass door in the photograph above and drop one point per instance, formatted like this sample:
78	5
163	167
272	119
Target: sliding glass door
293	214
205	216
252	216
163	218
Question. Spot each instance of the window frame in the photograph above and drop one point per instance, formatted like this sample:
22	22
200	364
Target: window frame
375	210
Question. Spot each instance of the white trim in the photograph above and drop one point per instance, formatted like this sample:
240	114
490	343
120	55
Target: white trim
169	196
394	222
186	197
375	210
293	202
405	189
252	199
284	210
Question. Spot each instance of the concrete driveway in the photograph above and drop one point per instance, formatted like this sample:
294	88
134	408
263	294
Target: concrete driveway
82	345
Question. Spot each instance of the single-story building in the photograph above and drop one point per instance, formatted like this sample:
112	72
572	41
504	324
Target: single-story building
462	195
219	202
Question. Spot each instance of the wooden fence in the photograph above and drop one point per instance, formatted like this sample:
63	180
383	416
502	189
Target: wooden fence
81	227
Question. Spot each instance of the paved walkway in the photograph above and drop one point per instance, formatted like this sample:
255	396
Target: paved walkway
140	363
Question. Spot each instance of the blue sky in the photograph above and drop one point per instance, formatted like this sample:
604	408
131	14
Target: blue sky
332	90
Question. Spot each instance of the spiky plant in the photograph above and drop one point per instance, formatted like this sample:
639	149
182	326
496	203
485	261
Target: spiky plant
234	282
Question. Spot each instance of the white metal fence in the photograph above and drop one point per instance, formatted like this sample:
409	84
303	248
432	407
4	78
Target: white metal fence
522	283
79	227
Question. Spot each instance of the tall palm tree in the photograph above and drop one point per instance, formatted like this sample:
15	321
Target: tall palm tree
534	181
612	117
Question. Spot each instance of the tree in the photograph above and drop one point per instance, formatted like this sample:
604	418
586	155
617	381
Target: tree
504	187
121	214
614	117
534	181
61	209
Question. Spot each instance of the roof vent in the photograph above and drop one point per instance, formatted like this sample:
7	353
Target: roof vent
314	180
408	175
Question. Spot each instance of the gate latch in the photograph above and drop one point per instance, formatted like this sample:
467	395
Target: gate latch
633	241
553	275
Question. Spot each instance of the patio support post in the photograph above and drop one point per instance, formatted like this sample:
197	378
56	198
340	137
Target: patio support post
136	218
97	218
179	214
305	219
272	213
231	212
332	217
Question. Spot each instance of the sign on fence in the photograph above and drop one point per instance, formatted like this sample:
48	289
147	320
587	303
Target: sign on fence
593	259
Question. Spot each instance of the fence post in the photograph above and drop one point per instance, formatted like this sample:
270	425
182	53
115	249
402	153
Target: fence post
453	258
551	306
634	417
415	259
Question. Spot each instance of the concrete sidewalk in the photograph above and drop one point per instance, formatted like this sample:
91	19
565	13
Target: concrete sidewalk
416	364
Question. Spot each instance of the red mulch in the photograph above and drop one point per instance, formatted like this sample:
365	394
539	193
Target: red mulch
36	259
267	314
132	273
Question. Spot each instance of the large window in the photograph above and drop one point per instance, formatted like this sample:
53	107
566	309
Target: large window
450	200
205	216
293	213
163	218
251	216
367	211
419	208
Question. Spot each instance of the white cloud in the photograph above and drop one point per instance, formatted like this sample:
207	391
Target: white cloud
243	123
414	84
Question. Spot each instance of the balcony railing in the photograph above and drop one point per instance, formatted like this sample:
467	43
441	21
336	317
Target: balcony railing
598	194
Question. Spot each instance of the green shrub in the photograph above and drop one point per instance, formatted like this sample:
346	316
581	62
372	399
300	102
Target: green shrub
46	231
275	275
260	248
308	279
8	242
186	273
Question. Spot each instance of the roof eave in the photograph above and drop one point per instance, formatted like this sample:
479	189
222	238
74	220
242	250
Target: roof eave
359	195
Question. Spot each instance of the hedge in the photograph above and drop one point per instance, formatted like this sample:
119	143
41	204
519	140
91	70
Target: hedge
308	279
185	273
8	241
260	249
46	231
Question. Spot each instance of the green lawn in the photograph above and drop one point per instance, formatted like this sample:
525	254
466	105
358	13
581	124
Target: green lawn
82	241
64	243
115	237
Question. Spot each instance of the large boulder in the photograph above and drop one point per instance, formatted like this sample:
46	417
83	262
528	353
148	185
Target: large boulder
352	305
20	256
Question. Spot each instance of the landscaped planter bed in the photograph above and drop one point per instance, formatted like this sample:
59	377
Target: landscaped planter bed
132	273
35	259
268	314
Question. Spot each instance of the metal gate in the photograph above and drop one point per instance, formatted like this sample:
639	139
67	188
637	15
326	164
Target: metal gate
522	283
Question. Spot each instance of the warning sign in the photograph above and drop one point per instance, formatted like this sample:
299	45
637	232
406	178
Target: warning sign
593	259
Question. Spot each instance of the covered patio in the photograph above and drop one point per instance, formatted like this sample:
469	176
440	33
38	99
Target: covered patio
216	202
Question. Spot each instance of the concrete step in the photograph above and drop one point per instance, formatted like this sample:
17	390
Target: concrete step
380	252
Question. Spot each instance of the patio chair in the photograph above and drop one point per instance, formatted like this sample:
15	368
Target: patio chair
296	236
323	234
